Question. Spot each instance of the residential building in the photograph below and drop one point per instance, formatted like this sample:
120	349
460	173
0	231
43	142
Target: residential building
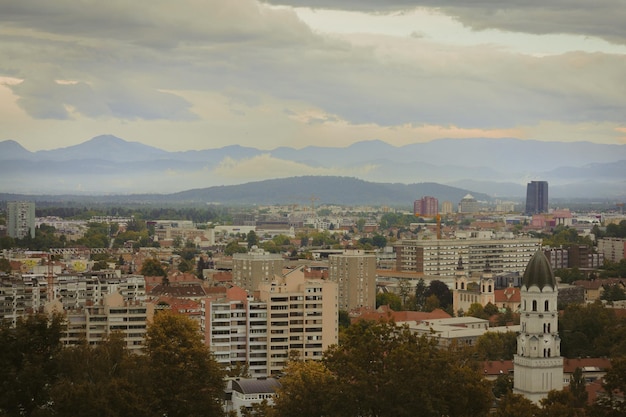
256	267
537	197
439	257
354	271
302	317
20	219
245	392
469	205
446	207
94	323
613	248
426	206
538	364
235	329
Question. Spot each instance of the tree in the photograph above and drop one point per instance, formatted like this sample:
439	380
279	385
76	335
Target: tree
252	239
390	299
28	354
386	370
577	386
234	247
379	241
420	295
494	346
184	377
152	267
441	291
516	405
5	265
185	266
308	389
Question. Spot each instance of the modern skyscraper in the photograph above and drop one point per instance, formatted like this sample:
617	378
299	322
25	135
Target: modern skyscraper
537	197
426	206
20	219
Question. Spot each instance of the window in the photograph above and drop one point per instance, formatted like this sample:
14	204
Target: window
547	305
534	305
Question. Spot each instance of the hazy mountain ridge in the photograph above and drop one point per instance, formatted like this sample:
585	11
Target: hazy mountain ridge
498	167
295	190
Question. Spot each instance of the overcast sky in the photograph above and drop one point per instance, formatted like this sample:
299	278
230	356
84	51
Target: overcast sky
201	74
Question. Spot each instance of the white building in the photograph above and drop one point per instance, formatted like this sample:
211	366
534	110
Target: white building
538	365
20	219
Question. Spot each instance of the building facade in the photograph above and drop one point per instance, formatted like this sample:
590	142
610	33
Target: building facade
255	267
538	365
426	206
354	271
440	257
469	204
613	248
20	219
537	197
468	291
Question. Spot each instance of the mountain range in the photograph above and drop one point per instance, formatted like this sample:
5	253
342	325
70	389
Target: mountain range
499	168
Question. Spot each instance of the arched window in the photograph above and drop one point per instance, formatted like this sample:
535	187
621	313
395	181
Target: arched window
549	353
548	327
534	305
456	285
462	285
544	327
490	288
524	305
547	305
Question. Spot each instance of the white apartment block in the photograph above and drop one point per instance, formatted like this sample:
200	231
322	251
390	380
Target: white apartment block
440	257
20	219
288	314
302	317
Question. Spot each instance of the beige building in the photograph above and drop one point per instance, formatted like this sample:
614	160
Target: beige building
302	317
256	267
468	290
94	323
354	271
439	257
613	248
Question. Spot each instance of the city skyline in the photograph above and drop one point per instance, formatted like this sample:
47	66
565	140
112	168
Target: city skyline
295	73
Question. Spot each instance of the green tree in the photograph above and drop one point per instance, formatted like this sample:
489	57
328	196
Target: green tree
386	370
5	265
308	389
516	405
28	358
379	241
152	267
494	346
585	330
234	247
252	239
185	379
441	291
503	385
421	293
611	405
185	266
577	387
390	299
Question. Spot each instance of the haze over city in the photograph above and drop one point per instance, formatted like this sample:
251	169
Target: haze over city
200	75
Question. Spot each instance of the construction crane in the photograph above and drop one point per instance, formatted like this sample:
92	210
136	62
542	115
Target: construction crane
438	219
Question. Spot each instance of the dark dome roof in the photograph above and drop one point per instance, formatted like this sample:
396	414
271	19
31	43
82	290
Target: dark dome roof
256	386
539	272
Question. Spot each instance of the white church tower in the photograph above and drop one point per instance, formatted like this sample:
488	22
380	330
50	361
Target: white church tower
538	365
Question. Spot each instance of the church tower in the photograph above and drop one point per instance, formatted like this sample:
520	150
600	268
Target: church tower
538	365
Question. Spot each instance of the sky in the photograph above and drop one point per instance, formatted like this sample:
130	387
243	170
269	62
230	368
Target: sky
203	74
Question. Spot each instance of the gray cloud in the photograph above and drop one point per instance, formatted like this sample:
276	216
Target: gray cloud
601	18
129	61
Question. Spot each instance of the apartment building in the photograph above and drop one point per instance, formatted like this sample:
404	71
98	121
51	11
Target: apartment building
235	329
354	271
255	267
290	313
440	257
95	304
20	219
96	322
302	317
613	248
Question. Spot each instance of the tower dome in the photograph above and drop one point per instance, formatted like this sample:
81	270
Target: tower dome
539	272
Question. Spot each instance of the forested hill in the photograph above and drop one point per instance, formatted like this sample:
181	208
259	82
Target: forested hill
324	190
